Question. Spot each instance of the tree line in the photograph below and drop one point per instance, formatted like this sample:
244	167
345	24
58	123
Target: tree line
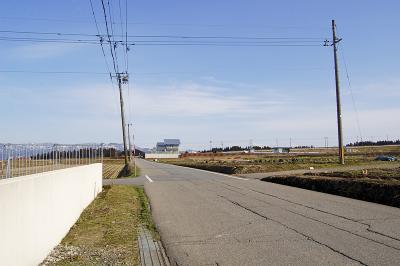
374	143
237	148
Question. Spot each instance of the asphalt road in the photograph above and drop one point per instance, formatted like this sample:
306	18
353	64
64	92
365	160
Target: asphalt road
132	181
207	218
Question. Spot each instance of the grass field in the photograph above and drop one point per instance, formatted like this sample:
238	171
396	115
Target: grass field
106	232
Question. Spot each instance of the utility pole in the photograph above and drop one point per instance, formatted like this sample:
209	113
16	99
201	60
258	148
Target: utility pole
335	41
326	142
122	79
129	143
134	151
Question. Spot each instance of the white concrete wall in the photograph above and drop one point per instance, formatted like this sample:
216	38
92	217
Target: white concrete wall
37	211
161	155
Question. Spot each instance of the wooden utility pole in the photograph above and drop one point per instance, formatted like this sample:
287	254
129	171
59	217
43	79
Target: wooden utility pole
129	144
121	100
134	152
336	40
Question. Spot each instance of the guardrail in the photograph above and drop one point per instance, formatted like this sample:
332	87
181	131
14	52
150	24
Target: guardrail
27	159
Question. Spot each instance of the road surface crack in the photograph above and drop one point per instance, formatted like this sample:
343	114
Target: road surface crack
309	207
292	229
382	234
333	214
227	187
344	230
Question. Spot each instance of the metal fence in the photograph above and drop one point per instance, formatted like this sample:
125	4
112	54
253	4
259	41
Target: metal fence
27	159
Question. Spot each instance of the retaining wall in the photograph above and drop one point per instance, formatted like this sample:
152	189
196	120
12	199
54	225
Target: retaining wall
37	211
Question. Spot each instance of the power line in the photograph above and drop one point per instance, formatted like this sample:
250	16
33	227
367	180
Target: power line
226	44
55	33
126	36
136	74
224	41
157	43
25	39
224	37
153	40
126	55
165	36
351	91
54	72
120	78
133	42
122	32
174	24
114	45
108	35
102	48
101	43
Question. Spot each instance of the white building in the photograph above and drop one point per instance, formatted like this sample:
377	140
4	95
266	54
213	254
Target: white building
168	149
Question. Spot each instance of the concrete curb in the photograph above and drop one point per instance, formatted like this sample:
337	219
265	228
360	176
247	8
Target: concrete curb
151	251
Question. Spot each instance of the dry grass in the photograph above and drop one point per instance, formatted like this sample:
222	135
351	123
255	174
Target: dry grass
245	163
384	176
265	164
106	232
376	185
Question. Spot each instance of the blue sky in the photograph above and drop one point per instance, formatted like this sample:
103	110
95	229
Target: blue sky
203	93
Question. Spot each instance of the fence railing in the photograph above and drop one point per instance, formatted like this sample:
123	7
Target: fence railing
27	159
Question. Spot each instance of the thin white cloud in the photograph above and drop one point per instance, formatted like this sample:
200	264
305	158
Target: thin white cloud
191	99
43	50
389	88
378	88
193	112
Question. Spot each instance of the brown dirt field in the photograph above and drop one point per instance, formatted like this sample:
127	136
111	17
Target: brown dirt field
375	185
112	168
246	163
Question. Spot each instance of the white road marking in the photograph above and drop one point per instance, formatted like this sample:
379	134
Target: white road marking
210	172
216	173
236	177
148	178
